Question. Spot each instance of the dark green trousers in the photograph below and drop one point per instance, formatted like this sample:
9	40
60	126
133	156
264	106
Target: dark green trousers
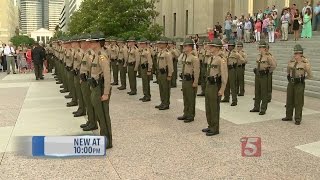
145	83
123	75
132	79
203	77
231	85
261	93
175	73
212	103
86	94
189	99
269	87
65	78
82	108
71	87
38	70
102	111
50	63
295	100
164	89
240	80
115	70
154	66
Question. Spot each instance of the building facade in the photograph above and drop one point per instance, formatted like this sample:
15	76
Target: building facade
55	9
36	14
42	34
9	20
32	15
180	18
70	6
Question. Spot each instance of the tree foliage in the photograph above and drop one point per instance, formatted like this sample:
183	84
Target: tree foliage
121	18
21	40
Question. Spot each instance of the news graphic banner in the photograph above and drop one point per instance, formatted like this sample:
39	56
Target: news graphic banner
63	146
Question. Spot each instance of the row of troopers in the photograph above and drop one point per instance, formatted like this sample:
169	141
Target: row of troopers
83	69
298	70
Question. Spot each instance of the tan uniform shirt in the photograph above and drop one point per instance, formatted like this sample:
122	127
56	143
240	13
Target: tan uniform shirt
175	53
244	56
100	66
114	51
266	62
191	65
217	66
145	58
123	53
234	58
61	53
78	58
69	57
302	69
133	55
86	62
164	61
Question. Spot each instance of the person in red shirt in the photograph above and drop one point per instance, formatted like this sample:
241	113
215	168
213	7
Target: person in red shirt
257	29
210	34
29	59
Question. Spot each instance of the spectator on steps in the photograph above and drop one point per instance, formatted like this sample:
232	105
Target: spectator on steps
247	30
306	27
285	18
316	16
296	24
271	29
257	30
228	26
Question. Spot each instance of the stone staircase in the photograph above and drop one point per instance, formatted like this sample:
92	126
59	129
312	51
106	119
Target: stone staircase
283	51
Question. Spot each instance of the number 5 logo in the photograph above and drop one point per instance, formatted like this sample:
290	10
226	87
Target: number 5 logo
250	146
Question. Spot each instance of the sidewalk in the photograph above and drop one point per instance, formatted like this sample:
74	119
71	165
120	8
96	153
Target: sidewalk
152	144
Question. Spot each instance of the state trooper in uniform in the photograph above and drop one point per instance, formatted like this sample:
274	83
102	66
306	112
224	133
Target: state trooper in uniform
100	83
89	46
122	57
233	57
203	67
62	58
113	52
217	77
270	75
133	57
145	63
70	74
165	70
265	65
81	111
59	63
241	69
298	70
190	76
154	54
175	54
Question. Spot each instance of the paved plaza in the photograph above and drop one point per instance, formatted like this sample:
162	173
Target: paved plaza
152	144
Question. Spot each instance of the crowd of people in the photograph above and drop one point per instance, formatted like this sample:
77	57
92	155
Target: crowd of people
270	24
24	59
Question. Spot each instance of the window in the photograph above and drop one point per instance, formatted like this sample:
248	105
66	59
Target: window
164	25
174	24
187	20
38	38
